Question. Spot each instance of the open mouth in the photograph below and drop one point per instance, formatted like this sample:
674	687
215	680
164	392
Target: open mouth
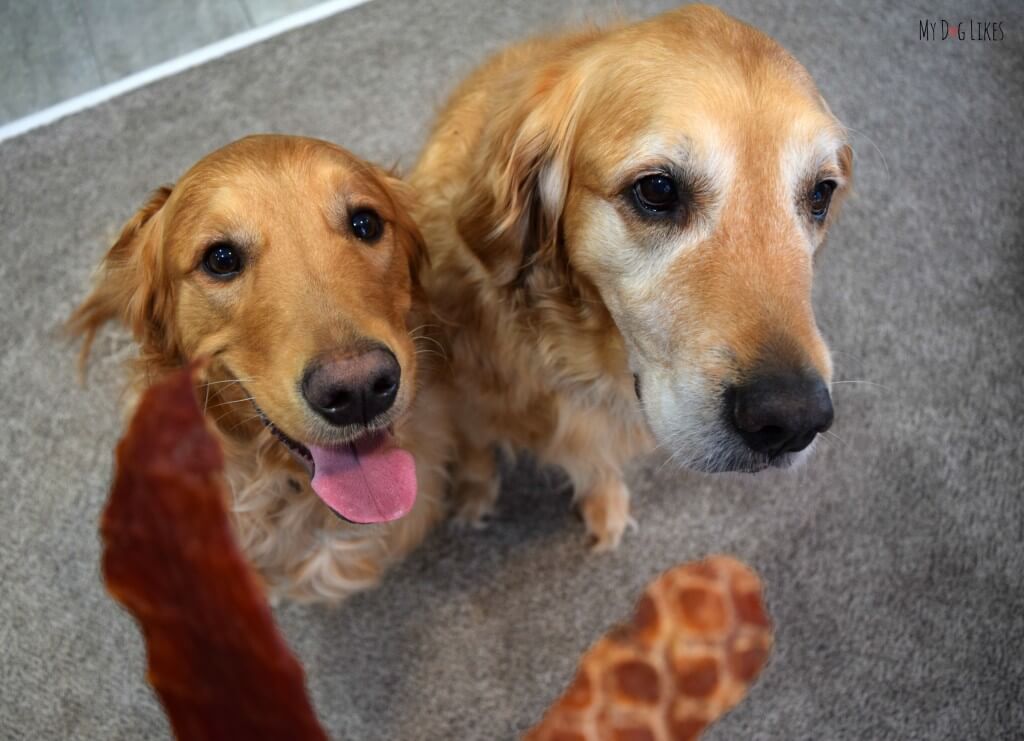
300	451
363	480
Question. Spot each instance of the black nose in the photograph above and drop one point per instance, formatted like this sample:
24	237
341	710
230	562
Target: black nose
352	389
781	412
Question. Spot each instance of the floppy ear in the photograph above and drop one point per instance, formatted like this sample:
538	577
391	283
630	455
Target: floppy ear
512	213
403	200
128	285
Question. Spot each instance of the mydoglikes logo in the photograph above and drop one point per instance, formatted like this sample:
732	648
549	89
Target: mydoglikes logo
965	30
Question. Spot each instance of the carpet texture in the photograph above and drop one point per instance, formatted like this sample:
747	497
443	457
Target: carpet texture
893	562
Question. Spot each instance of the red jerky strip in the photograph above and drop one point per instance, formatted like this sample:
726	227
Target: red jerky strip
216	659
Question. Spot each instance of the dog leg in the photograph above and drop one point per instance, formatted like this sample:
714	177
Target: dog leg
592	448
605	510
475	485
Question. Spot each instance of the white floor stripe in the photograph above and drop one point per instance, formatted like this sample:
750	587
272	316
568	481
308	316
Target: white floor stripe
176	65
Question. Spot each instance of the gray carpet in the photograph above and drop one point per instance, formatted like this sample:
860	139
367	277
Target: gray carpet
894	562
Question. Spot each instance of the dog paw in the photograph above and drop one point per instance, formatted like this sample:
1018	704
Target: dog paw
475	505
606	515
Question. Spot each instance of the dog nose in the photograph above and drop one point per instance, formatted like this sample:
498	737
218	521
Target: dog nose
352	389
781	412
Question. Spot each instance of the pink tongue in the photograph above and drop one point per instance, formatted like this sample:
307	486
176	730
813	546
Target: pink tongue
370	480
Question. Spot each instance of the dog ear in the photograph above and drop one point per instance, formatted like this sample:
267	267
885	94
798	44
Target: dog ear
846	161
512	213
128	285
403	202
846	169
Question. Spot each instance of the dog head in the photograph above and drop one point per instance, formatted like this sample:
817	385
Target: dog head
291	265
685	170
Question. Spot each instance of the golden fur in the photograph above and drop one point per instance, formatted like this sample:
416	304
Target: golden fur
309	287
559	299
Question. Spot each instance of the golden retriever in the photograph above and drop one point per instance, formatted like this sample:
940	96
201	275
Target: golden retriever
292	266
622	225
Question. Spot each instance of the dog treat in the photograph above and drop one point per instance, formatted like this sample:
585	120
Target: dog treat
697	640
216	660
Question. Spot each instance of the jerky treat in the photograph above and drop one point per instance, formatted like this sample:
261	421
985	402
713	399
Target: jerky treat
698	639
216	660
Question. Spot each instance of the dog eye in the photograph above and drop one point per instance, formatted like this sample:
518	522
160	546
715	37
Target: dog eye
366	225
819	198
656	193
222	260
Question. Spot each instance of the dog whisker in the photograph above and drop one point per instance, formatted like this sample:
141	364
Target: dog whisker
430	339
878	149
423	326
227	382
834	436
440	352
234	401
848	354
669	459
865	383
430	352
244	420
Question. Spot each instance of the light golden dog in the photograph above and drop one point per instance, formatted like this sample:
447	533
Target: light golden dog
622	225
292	266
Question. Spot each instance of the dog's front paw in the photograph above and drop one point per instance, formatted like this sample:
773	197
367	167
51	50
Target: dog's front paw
605	511
475	502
